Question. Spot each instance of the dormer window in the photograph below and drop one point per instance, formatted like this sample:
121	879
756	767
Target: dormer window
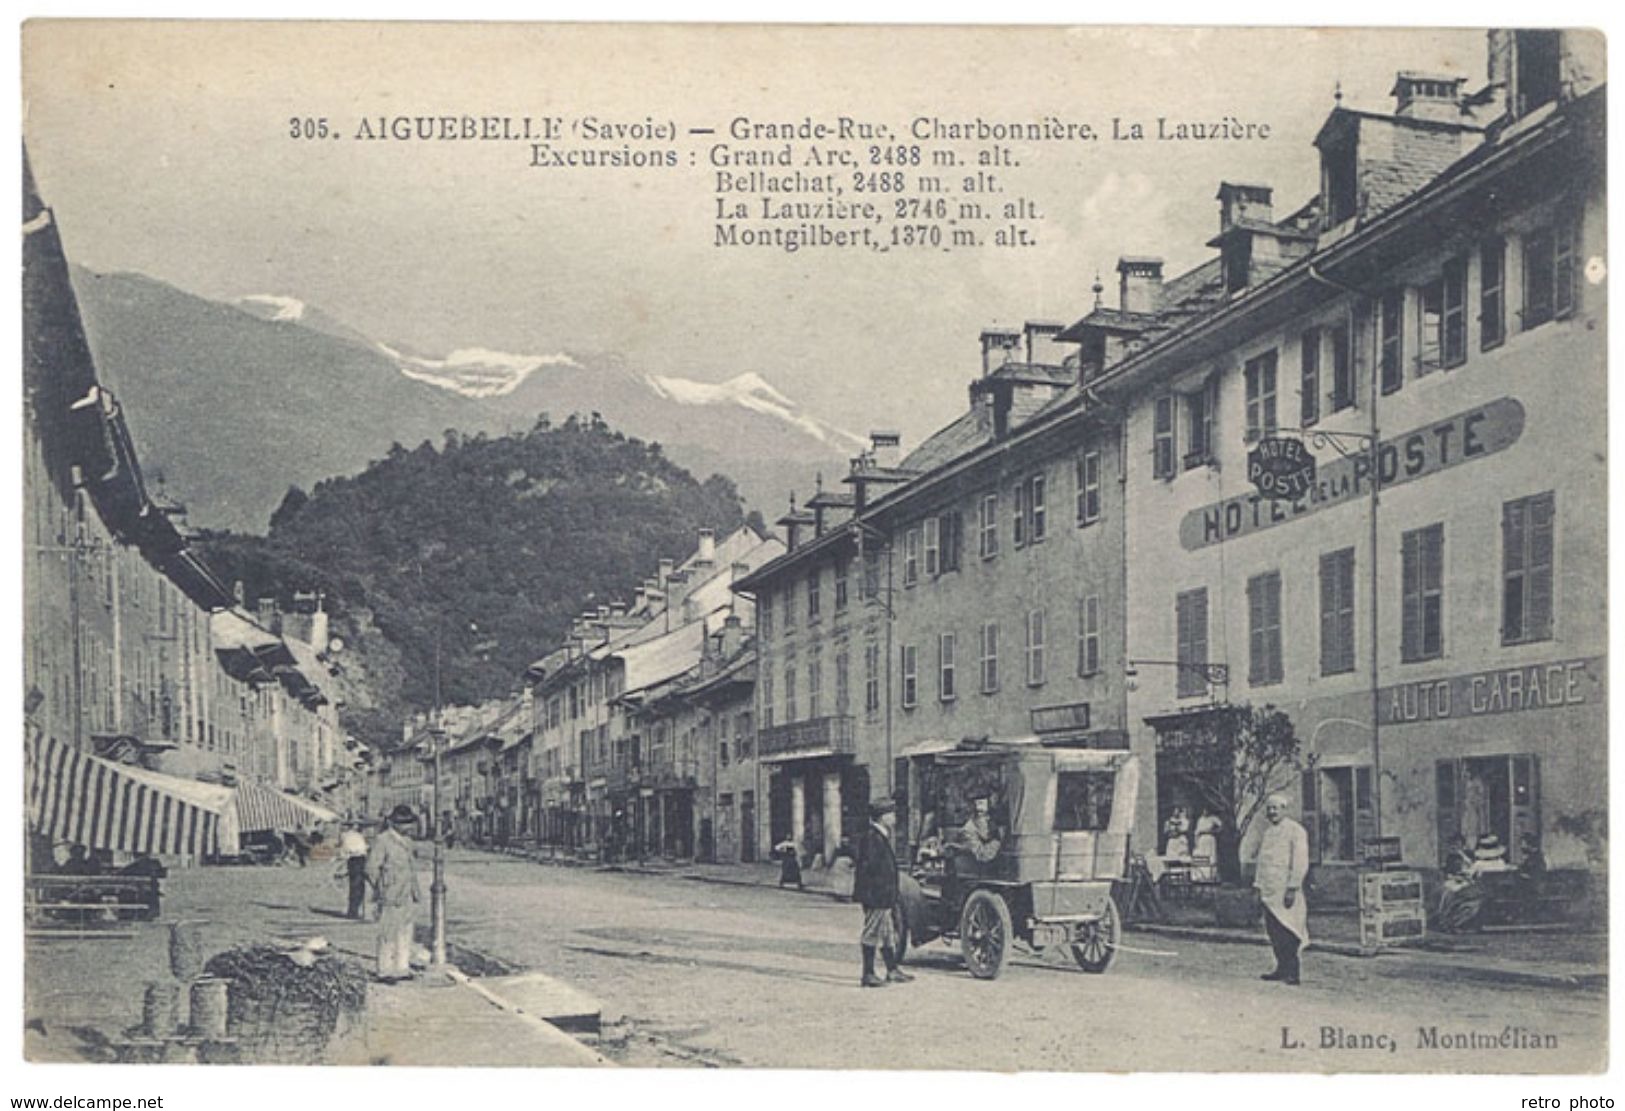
1538	79
1340	182
1237	260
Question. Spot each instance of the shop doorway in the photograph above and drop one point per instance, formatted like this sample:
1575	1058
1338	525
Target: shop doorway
1338	812
1488	796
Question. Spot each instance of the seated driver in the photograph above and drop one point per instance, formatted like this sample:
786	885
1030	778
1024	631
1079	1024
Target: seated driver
977	836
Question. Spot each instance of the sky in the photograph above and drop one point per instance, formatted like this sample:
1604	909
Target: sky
164	148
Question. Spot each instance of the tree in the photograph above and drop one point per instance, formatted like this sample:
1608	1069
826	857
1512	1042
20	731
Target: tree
1232	760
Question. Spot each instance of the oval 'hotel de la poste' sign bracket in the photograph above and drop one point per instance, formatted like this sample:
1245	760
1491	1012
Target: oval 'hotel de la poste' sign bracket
1281	469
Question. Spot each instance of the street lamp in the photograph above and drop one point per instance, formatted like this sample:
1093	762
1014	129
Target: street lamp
1364	446
437	884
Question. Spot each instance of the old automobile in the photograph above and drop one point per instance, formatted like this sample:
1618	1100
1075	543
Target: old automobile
1013	842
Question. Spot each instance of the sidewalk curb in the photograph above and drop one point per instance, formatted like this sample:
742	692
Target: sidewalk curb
544	1029
1464	969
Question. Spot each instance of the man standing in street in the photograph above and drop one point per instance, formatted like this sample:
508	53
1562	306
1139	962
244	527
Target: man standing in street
353	860
392	871
874	887
1280	867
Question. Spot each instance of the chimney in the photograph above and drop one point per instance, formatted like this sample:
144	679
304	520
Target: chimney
666	568
738	571
267	613
999	346
707	554
1004	396
1241	201
1139	284
637	599
733	635
886	447
239	593
1042	347
1427	96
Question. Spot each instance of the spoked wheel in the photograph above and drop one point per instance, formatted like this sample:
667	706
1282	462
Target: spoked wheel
984	934
1097	940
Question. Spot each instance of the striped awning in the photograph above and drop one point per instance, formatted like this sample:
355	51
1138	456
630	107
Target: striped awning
74	796
262	808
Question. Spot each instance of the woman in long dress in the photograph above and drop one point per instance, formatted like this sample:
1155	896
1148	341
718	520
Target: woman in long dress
1461	902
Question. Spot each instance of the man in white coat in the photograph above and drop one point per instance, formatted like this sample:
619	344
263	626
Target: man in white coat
1280	866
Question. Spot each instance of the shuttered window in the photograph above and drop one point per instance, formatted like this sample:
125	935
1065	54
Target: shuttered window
1309	389
1162	438
1337	612
1527	526
1422	563
1264	628
990	657
1391	340
1492	292
1190	613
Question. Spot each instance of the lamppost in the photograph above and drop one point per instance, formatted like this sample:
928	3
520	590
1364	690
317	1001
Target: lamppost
437	884
1364	447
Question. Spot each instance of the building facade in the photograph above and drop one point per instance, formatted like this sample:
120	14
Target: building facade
1428	610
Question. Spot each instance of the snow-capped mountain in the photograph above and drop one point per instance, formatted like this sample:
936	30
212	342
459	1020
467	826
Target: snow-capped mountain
751	391
235	402
474	371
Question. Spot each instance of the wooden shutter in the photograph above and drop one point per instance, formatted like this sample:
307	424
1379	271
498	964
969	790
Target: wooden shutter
1563	293
1538	569
1365	824
1410	637
1447	790
1310	787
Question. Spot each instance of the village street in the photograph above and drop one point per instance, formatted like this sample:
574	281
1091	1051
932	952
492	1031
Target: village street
691	973
732	975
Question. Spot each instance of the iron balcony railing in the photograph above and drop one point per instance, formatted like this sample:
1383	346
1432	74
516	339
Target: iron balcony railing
834	734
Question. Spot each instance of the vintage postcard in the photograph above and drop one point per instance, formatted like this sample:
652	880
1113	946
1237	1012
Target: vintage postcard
984	548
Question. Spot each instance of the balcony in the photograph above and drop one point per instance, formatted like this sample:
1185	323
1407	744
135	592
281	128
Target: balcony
826	736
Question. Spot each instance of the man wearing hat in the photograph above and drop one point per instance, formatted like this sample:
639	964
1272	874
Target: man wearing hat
874	887
392	871
1280	867
352	866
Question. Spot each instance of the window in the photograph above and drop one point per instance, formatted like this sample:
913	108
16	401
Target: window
1201	409
990	657
1526	568
1035	647
1390	340
843	691
1309	388
1029	521
1089	635
911	557
910	676
1548	274
871	677
790	606
1341	171
790	694
1442	319
987	545
812	596
1453	341
871	573
815	688
945	667
1083	801
1190	618
1342	367
1088	487
1264	628
1337	612
1162	438
1260	377
933	546
1539	74
953	536
1422	572
843	572
764	615
1492	293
